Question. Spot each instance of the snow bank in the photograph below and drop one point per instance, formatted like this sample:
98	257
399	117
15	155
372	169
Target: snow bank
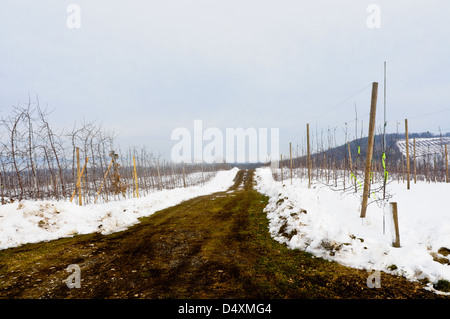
326	223
35	221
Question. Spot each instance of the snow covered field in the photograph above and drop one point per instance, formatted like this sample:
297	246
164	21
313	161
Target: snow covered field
326	223
35	221
426	147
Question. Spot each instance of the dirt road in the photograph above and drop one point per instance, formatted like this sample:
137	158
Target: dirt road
214	246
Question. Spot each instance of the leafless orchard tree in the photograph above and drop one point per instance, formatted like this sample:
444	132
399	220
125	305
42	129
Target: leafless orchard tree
38	162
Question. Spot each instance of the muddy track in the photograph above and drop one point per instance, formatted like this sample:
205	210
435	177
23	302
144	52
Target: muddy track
214	246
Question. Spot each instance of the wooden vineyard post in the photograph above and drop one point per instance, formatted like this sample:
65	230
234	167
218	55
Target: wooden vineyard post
396	241
446	165
78	177
415	169
135	177
79	182
407	154
290	154
402	170
309	155
373	106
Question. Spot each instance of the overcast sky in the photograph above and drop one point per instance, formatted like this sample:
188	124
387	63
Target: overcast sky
144	68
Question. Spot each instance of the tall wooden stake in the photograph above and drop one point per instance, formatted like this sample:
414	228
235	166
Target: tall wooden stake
84	188
79	181
373	107
407	154
309	156
80	201
396	242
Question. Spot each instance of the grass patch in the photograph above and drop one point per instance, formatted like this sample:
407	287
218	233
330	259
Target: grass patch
442	285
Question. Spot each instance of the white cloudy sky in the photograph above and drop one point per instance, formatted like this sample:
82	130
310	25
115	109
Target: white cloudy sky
147	67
